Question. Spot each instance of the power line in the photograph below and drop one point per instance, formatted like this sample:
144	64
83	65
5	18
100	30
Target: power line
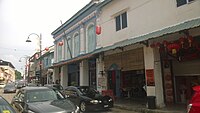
14	49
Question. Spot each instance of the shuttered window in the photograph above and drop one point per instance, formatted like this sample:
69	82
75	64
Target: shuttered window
91	38
118	25
121	21
76	45
182	2
59	54
124	20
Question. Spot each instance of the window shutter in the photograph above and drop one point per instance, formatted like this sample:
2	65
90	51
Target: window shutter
117	20
124	20
181	2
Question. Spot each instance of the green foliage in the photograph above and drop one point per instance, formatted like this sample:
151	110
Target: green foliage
17	75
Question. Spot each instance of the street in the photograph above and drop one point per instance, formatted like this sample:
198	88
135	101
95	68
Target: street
9	96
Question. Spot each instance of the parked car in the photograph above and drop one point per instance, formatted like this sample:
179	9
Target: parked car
88	99
42	100
32	85
5	107
20	84
10	88
57	86
194	103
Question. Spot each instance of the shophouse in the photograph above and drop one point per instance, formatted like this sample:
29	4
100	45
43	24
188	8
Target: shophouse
150	44
40	67
75	40
47	69
140	48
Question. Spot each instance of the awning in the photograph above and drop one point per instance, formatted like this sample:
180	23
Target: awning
168	30
78	58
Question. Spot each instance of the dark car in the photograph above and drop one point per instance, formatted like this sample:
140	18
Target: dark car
5	107
57	86
20	84
194	103
9	88
42	100
88	99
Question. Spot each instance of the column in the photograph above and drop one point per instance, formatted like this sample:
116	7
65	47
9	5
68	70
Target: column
82	40
153	73
55	74
84	73
100	72
64	76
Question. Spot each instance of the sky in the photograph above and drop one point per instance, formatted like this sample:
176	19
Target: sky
20	18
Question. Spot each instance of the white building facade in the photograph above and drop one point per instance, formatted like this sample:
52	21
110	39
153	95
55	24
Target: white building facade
140	49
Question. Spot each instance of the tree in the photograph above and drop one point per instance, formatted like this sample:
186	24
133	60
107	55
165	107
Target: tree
17	75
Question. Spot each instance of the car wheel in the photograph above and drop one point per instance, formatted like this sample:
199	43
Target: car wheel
82	106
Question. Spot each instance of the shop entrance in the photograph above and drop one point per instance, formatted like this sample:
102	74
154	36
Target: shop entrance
184	86
133	83
114	80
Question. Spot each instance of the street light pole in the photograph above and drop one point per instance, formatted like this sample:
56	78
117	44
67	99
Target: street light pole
20	60
40	51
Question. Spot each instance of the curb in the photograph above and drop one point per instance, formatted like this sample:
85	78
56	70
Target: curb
145	110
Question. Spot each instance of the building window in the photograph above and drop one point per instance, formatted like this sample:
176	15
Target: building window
121	21
69	50
68	47
76	45
59	54
91	38
183	2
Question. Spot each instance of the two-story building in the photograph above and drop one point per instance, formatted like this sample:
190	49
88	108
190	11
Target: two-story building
7	71
144	48
75	40
150	44
40	67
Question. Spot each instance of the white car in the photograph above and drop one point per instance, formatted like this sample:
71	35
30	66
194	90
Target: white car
2	85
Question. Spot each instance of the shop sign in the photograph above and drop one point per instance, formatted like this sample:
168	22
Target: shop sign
150	77
102	81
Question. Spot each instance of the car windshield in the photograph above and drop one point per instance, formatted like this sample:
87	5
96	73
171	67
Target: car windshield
43	95
88	91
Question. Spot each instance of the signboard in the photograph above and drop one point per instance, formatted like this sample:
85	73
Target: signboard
102	81
150	77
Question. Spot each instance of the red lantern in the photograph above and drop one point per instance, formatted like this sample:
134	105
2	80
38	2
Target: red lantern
36	56
47	49
60	43
98	29
173	48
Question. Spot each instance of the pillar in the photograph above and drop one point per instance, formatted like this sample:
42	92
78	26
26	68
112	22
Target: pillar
153	72
100	72
84	73
64	76
55	74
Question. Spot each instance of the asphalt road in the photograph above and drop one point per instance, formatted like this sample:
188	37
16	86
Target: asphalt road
9	96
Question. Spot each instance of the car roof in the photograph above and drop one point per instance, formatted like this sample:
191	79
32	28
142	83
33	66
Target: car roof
33	88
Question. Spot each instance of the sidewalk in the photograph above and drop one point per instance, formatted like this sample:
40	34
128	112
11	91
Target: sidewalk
140	106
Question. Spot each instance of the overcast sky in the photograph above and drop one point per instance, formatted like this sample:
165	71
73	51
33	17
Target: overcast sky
19	18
